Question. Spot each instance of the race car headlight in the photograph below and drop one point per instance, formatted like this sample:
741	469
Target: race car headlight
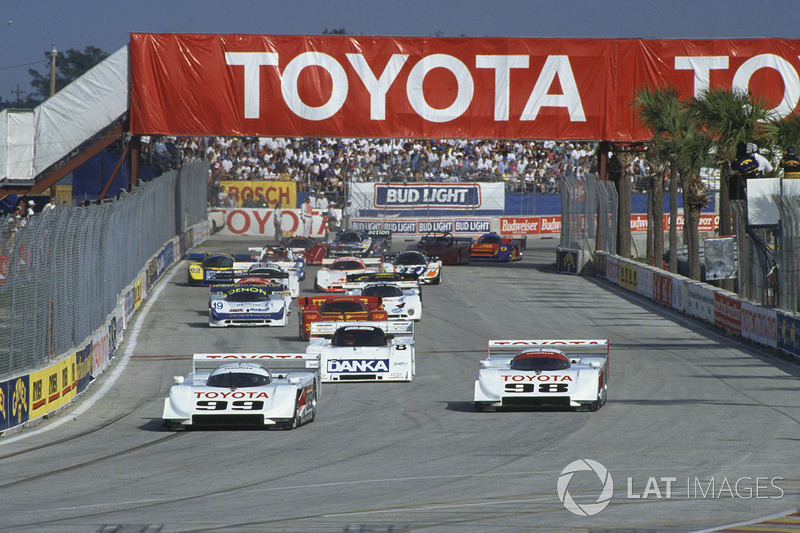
410	312
195	269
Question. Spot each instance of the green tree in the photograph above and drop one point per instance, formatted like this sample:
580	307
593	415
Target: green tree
661	111
70	65
729	117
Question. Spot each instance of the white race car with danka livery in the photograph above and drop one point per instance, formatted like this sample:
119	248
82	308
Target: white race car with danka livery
400	294
427	269
544	373
364	351
276	390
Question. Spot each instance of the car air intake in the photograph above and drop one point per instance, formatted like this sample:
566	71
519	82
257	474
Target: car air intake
228	420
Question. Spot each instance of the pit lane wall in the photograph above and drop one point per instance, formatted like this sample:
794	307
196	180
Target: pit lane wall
31	396
726	310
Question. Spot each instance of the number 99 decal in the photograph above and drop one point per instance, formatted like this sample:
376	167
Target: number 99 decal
531	387
238	405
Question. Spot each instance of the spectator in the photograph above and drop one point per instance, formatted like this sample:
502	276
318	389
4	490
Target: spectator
248	200
277	222
745	167
306	212
764	166
790	164
262	202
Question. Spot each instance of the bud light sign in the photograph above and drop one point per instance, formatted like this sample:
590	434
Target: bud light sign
457	196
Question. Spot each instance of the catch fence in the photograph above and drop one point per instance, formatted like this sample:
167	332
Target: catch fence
62	272
588	214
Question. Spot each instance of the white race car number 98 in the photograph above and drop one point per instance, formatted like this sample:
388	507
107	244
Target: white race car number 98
531	387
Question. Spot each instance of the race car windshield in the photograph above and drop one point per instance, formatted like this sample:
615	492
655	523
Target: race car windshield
350	238
347	265
341	307
533	361
299	243
219	261
237	380
247	296
490	239
410	259
359	337
265	272
438	240
385	291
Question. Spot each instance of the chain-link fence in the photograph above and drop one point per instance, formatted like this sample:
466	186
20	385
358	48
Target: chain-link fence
588	214
788	252
62	272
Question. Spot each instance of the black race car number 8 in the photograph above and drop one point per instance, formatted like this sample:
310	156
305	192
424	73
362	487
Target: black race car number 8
531	387
238	405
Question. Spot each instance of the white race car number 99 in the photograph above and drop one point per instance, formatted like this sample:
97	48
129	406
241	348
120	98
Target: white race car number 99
238	405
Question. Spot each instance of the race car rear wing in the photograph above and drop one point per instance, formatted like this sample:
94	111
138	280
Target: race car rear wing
392	328
244	273
382	276
403	285
504	348
224	288
368	261
272	361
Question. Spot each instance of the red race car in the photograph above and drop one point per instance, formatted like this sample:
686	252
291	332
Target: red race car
313	252
493	247
335	308
452	250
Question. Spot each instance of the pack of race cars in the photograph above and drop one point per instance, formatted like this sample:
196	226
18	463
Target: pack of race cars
359	327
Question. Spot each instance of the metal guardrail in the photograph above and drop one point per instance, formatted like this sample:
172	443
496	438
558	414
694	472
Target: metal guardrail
63	271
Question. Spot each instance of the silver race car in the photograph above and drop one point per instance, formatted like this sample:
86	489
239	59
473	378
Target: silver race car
543	373
277	390
249	304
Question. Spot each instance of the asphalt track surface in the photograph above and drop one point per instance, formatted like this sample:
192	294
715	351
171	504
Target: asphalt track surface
686	402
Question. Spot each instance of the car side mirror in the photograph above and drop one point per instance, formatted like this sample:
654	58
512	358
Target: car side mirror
178	380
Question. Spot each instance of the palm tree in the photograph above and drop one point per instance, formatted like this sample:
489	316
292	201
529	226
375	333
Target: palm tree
784	132
729	116
661	110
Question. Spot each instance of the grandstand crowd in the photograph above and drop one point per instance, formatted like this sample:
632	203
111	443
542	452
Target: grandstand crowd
325	164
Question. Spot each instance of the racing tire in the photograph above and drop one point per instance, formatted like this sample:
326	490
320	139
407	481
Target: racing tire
173	426
294	423
438	280
482	407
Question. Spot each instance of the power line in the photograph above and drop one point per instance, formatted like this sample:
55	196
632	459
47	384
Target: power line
23	65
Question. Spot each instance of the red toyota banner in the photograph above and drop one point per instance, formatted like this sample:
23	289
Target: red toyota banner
344	86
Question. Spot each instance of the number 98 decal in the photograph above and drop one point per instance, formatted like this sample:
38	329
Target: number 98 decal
531	387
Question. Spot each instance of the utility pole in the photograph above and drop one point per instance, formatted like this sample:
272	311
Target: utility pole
53	54
18	93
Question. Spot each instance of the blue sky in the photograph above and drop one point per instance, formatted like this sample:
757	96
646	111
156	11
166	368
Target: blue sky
29	28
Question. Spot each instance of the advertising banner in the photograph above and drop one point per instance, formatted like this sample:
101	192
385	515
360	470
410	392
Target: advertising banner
398	197
273	192
18	401
627	275
680	293
662	289
644	281
259	222
4	405
759	324
83	368
788	338
52	387
612	269
430	87
467	226
700	301
728	311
